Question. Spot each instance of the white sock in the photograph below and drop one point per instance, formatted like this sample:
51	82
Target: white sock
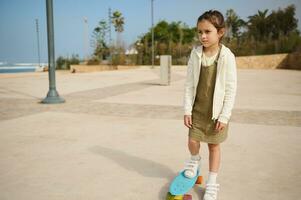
189	173
212	177
196	157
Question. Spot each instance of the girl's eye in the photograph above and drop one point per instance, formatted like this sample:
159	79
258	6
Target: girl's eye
200	32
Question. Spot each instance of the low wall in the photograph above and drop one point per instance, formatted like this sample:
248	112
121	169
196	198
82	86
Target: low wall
274	61
95	68
293	61
260	62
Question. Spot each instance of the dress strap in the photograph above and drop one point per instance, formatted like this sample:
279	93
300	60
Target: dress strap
219	51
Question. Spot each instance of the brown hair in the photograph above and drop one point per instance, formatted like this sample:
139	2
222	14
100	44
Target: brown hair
214	17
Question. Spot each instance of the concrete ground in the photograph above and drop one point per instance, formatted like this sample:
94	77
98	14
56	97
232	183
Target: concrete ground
120	135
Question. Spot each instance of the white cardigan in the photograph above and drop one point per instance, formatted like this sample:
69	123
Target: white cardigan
225	85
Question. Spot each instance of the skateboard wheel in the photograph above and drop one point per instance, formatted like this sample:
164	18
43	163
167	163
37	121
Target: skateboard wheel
168	196
174	197
178	197
199	180
187	197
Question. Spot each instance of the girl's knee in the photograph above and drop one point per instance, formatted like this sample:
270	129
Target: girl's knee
193	142
213	147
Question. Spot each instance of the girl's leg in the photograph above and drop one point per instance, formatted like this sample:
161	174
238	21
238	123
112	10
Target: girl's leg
214	157
214	161
194	146
195	160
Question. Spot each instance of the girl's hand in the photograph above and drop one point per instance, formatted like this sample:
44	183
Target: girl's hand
188	121
219	126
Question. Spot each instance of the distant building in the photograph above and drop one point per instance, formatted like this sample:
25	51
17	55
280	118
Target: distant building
131	51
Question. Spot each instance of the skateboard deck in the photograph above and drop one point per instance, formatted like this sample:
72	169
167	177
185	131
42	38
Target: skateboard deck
181	184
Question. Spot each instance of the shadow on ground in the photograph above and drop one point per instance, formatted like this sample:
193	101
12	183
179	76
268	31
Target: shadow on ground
142	166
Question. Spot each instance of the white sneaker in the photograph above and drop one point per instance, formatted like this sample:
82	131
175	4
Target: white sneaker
191	168
211	191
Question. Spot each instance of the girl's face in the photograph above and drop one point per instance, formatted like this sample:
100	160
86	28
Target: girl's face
208	34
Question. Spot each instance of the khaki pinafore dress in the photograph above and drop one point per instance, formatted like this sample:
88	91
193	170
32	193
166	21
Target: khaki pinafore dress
202	124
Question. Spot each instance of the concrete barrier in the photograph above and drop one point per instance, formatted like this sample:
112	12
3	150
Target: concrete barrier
165	65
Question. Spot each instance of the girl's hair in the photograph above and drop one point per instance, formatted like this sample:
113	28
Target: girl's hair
214	17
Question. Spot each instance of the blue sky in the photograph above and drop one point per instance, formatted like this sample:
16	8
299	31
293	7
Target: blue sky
17	19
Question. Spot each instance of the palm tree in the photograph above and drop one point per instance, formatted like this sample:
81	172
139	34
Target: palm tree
100	31
118	22
257	24
99	43
234	23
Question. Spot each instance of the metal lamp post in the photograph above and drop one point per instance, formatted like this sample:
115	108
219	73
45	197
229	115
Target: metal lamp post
153	48
52	96
38	41
86	39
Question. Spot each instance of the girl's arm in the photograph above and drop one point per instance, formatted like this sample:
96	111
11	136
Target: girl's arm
188	90
230	89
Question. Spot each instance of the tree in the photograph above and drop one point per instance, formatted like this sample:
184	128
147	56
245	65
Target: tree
99	42
258	26
161	32
262	33
173	38
234	23
118	22
283	22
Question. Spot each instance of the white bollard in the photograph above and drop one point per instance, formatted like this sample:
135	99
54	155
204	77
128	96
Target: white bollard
165	65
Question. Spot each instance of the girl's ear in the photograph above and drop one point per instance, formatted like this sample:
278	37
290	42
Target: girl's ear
221	32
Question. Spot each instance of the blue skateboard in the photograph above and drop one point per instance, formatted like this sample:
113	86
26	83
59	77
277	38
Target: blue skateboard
181	185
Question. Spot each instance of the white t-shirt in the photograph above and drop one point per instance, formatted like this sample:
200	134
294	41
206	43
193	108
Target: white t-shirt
206	61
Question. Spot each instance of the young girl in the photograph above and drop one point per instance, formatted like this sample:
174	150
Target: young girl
210	91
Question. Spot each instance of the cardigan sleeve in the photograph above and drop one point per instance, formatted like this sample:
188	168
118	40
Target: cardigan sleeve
188	89
230	90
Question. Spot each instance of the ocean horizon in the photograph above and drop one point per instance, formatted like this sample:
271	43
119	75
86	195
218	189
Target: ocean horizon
6	67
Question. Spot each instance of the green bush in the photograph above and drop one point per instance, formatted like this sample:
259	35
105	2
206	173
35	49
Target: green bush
64	63
93	61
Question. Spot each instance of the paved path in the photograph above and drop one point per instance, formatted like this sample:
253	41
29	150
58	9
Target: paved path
120	135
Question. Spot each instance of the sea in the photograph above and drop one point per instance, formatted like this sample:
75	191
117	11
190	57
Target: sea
6	67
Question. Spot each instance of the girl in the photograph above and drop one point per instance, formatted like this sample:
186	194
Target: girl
210	91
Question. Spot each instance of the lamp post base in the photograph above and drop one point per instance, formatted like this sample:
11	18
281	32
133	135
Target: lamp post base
53	98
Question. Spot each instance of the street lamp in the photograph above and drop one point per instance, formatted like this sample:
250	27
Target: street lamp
52	96
38	41
153	50
86	39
